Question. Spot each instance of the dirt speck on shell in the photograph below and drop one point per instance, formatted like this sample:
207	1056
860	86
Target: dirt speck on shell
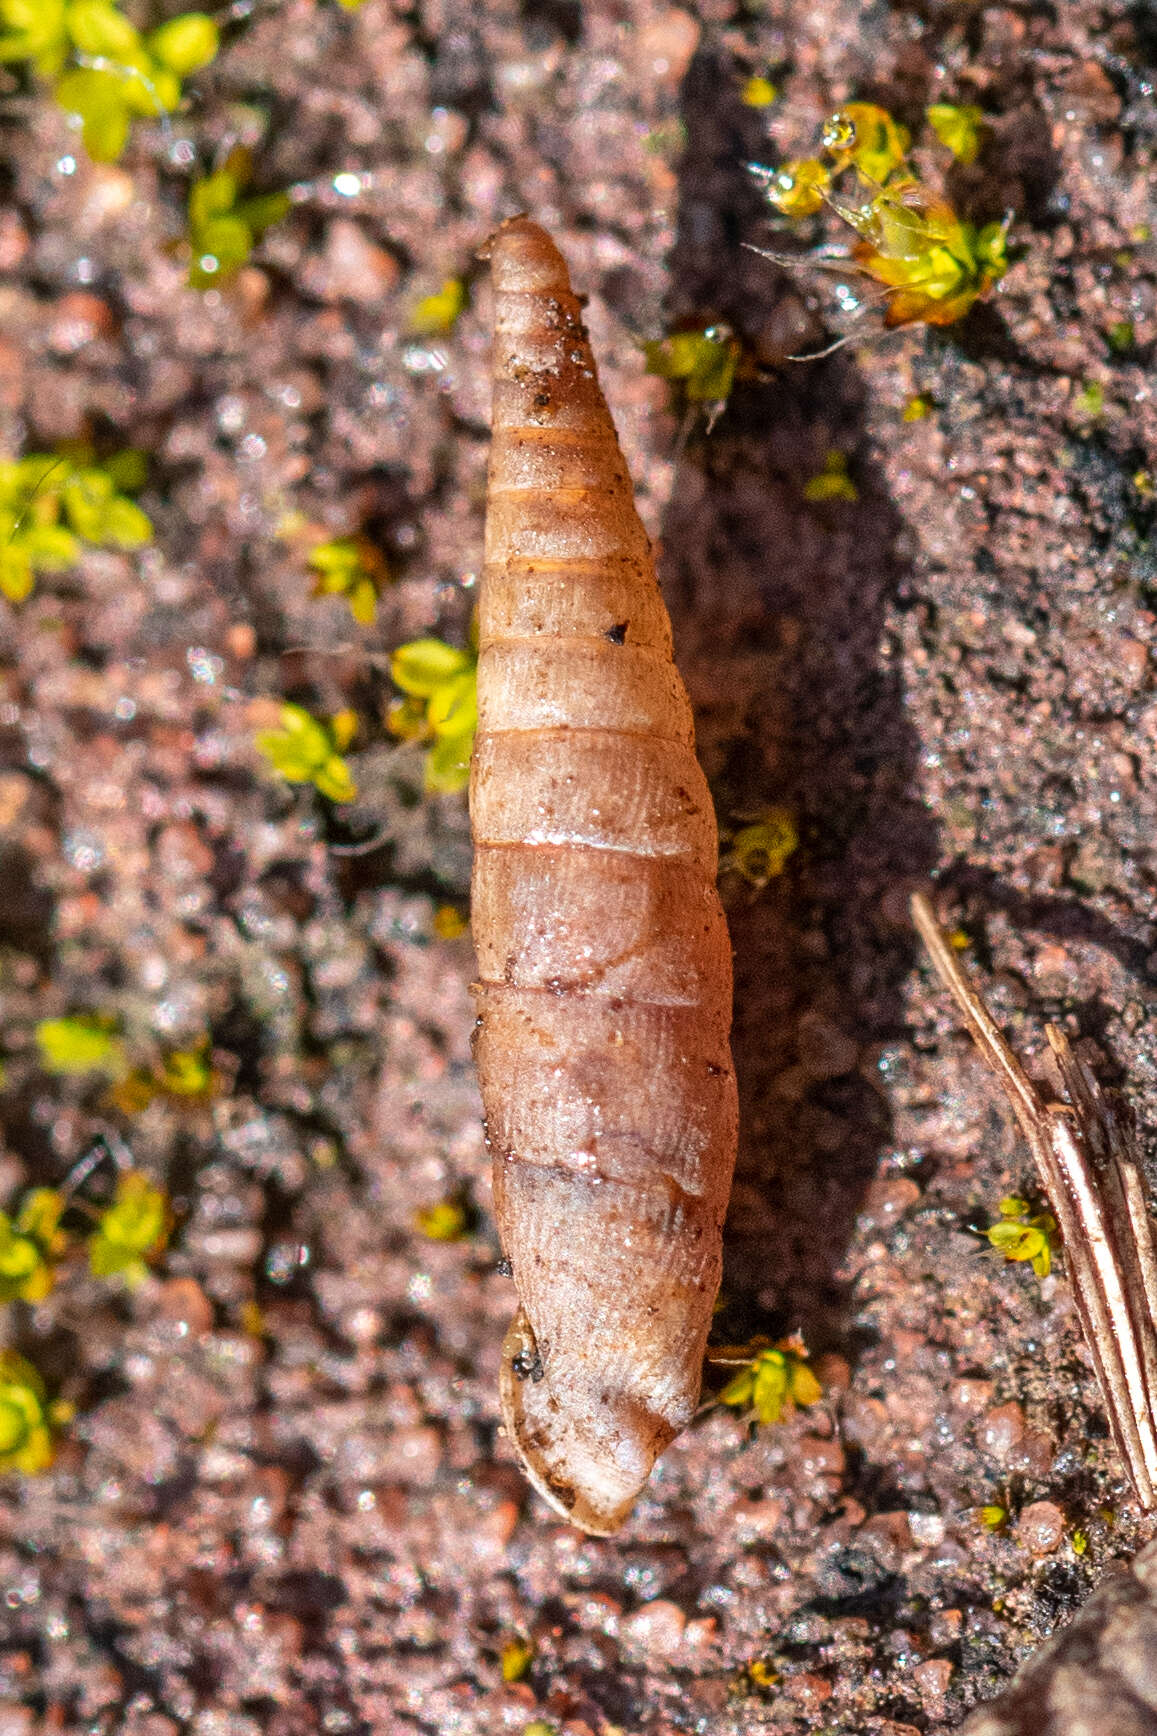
285	1504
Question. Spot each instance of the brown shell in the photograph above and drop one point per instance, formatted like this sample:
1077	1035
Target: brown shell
604	999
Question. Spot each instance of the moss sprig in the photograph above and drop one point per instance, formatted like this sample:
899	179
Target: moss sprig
772	1381
1022	1234
226	222
53	504
306	750
28	1418
103	70
440	706
122	1240
933	264
350	567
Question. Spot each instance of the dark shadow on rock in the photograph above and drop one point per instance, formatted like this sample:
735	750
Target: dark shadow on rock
1063	917
780	609
28	910
27	923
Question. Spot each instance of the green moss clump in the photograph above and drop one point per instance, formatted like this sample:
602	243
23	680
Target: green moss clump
105	71
51	504
307	751
440	684
224	225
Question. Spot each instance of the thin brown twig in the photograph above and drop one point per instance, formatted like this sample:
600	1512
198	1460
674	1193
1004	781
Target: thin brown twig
1085	1154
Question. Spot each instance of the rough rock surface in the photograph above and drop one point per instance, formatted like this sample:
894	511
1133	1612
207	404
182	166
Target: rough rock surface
1098	1673
284	1504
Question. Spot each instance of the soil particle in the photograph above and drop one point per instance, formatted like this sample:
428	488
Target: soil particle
808	1690
1040	1527
657	1629
351	267
1003	1430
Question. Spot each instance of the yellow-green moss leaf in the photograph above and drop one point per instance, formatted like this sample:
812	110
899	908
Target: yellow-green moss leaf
424	665
832	482
307	751
437	314
447	1221
774	1380
79	1045
186	44
24	1273
453	706
125	525
127	469
760	852
34	30
758	92
1021	1237
97	99
26	1444
960	128
351	567
515	1658
50	547
188	1073
798	188
16	575
131	1231
448	764
865	134
1090	400
704	361
98	29
335	781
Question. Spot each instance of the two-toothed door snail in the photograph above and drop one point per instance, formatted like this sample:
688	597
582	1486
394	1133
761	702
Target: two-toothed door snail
604	992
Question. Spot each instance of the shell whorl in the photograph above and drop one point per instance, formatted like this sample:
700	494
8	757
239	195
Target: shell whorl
604	992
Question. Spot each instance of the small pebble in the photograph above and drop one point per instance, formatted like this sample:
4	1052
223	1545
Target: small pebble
109	192
699	1635
14	244
890	1537
809	1690
237	1245
1002	1430
970	1395
927	1529
754	1519
183	1301
932	1677
241	640
76	320
16	792
351	267
1133	657
1035	1453
833	1371
888	1197
820	1458
665	46
657	1628
413	1455
1040	1528
944	1627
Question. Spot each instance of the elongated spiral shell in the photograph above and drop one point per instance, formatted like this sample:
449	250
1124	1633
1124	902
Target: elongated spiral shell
604	993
